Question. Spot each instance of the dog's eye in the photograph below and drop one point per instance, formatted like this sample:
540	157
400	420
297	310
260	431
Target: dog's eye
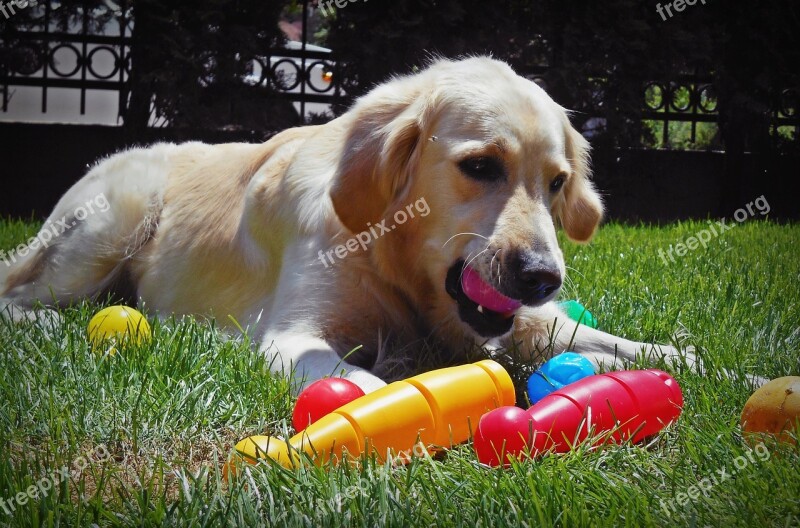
483	168
557	183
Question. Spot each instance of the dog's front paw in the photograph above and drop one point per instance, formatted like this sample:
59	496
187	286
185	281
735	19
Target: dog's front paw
686	357
676	357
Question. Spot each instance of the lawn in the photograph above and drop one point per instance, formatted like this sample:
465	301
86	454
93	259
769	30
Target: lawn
143	434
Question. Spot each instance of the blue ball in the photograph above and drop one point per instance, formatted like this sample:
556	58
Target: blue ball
558	372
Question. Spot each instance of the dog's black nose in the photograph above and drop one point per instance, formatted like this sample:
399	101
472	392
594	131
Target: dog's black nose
536	277
541	283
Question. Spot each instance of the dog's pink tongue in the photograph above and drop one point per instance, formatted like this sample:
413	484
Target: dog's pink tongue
484	294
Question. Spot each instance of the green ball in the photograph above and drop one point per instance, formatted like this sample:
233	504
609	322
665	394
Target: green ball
577	312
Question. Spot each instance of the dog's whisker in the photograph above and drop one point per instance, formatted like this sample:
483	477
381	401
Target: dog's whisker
466	265
569	284
491	264
459	234
574	270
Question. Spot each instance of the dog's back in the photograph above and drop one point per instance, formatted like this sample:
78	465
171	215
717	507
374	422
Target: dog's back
83	246
106	237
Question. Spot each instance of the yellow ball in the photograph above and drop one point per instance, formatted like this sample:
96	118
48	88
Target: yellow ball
117	325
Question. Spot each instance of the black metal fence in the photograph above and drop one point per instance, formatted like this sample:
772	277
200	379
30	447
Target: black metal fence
70	57
692	100
83	59
303	76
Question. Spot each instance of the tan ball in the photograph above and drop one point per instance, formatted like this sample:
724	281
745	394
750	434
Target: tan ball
774	408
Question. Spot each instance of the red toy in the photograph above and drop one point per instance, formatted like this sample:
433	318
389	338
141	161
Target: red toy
616	406
322	398
509	426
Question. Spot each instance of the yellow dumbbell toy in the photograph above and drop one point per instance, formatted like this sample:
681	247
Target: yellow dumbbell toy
438	408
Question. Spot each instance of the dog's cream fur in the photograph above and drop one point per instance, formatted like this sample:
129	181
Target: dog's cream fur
235	230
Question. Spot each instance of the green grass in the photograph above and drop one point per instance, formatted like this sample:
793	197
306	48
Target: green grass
160	419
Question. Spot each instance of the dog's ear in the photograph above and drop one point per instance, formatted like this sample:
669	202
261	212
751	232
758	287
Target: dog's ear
580	209
381	152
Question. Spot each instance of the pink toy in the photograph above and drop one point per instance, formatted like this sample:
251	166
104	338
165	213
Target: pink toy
616	406
486	295
322	398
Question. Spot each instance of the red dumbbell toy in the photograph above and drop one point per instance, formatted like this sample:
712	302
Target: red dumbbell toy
616	406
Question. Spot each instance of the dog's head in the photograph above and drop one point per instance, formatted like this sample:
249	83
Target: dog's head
496	164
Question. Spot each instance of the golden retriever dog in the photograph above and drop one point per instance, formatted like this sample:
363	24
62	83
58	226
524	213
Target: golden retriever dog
427	212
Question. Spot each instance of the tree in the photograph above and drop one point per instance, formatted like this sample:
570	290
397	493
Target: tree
190	61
